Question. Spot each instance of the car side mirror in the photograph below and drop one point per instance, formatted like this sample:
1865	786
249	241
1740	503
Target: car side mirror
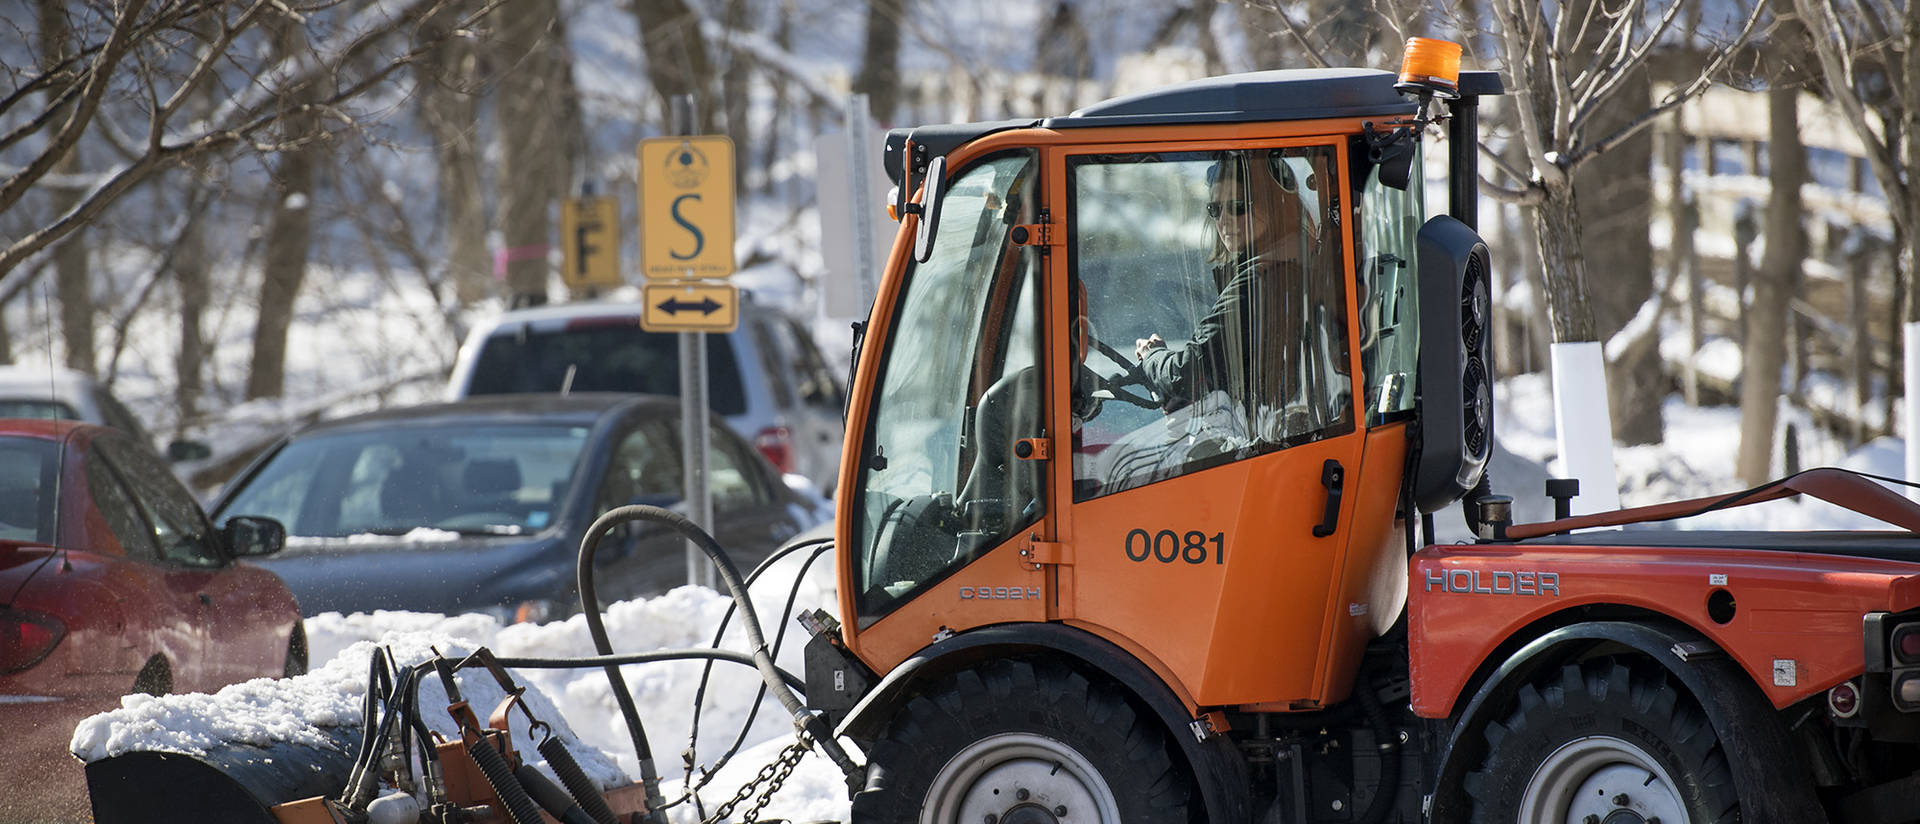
185	450
252	536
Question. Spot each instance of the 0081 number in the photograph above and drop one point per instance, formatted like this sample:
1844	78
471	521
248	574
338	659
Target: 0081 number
1168	546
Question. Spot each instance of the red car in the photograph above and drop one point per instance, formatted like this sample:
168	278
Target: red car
112	580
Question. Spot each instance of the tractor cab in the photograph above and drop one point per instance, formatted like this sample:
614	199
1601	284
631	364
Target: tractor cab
1125	367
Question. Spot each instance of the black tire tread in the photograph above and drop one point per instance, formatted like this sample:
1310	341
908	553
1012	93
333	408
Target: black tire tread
975	702
1639	692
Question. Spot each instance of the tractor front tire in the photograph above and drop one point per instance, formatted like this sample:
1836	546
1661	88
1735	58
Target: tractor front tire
1022	742
1608	739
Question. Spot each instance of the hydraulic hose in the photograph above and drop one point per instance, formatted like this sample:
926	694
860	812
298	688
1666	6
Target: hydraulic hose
820	547
653	657
750	620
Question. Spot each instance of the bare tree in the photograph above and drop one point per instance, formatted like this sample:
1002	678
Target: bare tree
70	275
532	154
448	77
290	227
145	58
1562	84
1774	286
879	77
677	61
1867	65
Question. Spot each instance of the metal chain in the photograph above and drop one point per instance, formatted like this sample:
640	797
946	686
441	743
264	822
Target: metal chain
773	775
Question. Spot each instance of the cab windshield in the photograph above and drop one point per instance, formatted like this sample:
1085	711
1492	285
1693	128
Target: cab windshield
939	482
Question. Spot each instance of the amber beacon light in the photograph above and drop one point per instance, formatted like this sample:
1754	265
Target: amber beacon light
1430	67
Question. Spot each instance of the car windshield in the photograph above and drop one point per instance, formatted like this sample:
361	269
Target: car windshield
26	472
615	355
416	481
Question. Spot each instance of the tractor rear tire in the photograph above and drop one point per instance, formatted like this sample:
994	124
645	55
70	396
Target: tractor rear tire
1022	742
1609	739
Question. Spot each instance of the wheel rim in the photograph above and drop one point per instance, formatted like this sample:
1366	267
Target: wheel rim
1603	779
1019	778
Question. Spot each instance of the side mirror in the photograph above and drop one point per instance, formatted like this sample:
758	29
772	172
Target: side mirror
930	209
184	450
251	536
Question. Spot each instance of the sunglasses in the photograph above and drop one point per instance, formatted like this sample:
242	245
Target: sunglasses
1233	208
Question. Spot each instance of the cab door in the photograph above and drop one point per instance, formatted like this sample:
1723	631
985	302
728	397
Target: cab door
947	497
1211	409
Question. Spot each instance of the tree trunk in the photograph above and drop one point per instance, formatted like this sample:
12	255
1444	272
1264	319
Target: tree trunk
289	236
1683	214
448	76
1616	195
72	281
879	77
735	86
1896	311
1773	288
1557	231
676	56
1860	366
191	279
1909	194
530	167
770	142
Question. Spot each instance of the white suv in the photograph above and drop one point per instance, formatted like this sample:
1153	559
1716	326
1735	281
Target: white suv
766	378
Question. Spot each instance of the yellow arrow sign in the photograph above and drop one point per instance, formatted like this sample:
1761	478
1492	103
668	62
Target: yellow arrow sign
686	207
689	306
590	237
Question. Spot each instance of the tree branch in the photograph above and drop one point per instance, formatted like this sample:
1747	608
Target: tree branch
95	87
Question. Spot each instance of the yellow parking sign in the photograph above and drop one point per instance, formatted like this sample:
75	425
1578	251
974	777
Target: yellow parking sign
686	207
689	306
590	239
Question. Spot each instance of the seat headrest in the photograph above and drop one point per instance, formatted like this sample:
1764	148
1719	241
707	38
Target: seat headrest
491	476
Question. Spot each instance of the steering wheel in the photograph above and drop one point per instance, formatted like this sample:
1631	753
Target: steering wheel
1114	387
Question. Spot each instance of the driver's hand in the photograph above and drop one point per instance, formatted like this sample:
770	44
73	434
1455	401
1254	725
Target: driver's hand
1147	344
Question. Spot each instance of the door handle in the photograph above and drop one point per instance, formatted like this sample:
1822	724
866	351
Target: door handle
1335	480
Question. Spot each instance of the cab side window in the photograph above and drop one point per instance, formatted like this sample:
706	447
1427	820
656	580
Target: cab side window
1210	319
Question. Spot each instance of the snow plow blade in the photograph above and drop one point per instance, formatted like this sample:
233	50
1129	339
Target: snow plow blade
233	784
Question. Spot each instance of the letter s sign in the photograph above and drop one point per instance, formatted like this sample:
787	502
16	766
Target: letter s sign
699	239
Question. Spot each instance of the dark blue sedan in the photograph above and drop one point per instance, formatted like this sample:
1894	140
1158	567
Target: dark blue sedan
481	505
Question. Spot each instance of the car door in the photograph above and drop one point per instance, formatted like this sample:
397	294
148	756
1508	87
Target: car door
818	428
163	612
643	467
239	623
749	513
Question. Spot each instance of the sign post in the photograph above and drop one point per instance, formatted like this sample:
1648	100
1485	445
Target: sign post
686	251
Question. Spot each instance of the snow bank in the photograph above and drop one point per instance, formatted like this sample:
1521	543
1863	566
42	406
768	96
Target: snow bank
578	703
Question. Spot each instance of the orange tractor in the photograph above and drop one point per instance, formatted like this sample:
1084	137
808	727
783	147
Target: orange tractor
1150	402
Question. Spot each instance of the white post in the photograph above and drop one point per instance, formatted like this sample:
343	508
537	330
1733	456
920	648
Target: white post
1581	425
859	162
1910	354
